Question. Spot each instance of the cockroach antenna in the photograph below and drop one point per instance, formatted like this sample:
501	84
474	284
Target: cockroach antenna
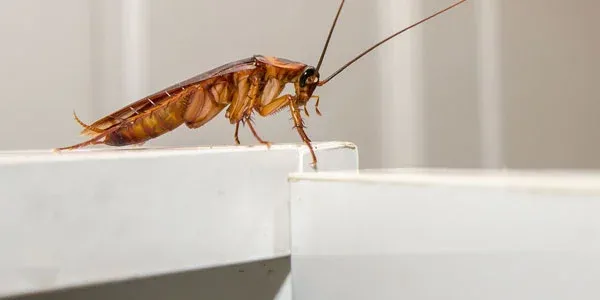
329	36
323	82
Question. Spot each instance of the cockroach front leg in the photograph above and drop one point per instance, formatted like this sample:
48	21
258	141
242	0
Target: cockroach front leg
299	125
306	111
278	104
275	105
317	105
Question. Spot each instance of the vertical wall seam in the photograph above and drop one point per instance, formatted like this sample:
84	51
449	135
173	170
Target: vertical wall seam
134	52
490	83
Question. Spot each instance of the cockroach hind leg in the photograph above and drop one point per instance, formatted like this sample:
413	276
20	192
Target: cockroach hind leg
73	147
260	140
93	141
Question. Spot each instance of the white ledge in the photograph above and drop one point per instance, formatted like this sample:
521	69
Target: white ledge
99	215
541	180
446	234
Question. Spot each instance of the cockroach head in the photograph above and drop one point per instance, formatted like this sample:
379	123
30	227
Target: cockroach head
306	83
310	76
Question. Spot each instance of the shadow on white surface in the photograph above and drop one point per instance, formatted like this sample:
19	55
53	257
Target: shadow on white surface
261	280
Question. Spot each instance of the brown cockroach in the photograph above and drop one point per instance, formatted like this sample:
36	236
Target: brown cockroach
249	85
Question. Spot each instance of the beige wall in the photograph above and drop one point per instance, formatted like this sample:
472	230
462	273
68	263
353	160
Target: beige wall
45	71
551	75
450	87
502	84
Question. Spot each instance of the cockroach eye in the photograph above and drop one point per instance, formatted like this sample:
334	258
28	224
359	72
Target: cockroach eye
307	77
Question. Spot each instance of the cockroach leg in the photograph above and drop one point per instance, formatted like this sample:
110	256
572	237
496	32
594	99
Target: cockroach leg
317	105
299	125
306	111
256	134
235	135
275	105
94	141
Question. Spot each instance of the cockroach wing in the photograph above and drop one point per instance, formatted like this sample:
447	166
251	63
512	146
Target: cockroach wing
164	96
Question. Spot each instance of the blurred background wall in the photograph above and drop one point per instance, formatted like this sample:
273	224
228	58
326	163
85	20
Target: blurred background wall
490	84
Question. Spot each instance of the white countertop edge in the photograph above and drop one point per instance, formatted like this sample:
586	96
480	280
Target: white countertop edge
550	180
49	155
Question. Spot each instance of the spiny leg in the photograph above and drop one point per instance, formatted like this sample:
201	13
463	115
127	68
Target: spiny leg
256	134
275	105
299	125
235	135
269	109
93	141
278	104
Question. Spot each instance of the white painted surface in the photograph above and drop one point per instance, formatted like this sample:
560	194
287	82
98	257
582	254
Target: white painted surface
441	234
95	216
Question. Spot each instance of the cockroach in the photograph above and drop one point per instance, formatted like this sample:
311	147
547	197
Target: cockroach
247	86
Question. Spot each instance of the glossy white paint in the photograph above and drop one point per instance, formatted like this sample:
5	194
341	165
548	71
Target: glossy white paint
433	234
89	217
